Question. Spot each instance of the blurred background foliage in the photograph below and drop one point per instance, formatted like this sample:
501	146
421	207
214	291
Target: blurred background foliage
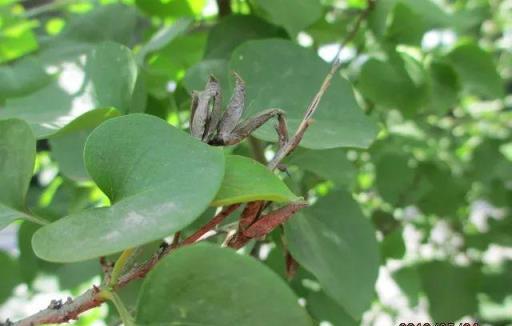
434	75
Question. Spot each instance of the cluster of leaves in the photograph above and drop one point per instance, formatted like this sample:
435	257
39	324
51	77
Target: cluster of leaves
411	135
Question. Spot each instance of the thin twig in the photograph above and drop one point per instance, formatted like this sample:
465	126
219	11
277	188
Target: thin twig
65	312
211	224
293	142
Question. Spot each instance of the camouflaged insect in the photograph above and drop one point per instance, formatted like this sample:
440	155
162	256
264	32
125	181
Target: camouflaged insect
209	124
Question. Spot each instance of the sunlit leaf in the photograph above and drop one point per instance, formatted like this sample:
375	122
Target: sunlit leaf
153	191
246	180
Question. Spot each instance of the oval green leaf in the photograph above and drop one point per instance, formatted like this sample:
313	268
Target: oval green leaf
17	157
208	285
335	242
281	74
68	143
246	180
158	178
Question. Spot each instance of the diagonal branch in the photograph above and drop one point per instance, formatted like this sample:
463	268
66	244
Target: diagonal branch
293	142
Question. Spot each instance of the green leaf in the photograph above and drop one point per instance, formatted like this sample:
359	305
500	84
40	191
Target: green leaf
171	8
442	282
233	30
393	245
323	308
477	70
22	77
163	37
405	21
439	191
16	36
9	275
82	30
406	26
154	192
68	143
17	157
445	86
207	285
171	62
106	79
292	15
394	178
330	164
408	279
246	180
198	74
281	74
337	244
399	82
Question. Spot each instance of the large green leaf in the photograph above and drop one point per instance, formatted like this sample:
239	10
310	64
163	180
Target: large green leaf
17	156
104	78
281	74
207	285
158	179
335	242
477	70
292	15
246	180
399	82
330	164
68	143
442	282
233	30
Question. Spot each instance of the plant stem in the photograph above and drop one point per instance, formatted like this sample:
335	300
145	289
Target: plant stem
120	266
124	314
291	144
36	219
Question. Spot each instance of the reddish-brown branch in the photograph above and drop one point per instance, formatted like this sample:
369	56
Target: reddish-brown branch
58	312
216	220
266	224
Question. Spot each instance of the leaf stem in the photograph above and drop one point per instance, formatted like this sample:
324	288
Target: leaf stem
120	266
124	314
36	219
